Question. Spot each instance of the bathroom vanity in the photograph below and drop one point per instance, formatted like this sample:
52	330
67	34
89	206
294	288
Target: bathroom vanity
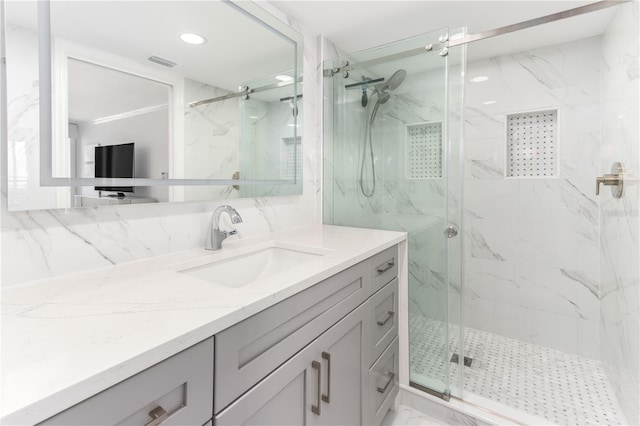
303	331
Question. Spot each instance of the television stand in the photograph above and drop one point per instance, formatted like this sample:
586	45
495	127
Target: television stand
118	195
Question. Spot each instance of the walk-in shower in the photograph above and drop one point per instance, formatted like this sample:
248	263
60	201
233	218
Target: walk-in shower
522	283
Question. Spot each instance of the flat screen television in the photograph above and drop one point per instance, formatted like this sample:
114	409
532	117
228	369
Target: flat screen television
114	161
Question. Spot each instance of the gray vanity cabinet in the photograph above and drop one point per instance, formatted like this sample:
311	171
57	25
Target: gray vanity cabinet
321	385
177	391
327	355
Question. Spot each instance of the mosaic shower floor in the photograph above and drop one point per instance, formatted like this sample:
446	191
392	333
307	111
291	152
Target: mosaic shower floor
562	388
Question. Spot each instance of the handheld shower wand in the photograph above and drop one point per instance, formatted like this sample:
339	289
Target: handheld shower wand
382	91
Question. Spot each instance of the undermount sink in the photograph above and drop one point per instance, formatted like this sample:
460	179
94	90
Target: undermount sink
249	268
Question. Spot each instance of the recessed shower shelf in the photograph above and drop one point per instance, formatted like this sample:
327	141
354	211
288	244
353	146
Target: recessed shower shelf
424	151
532	144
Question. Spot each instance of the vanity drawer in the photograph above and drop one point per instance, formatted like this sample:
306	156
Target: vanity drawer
383	319
253	348
181	386
384	268
383	383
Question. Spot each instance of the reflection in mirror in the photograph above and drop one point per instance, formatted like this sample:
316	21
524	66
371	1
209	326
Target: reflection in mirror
130	131
119	77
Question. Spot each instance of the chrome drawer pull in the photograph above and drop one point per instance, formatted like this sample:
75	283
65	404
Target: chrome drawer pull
390	315
315	409
384	389
158	415
386	268
327	356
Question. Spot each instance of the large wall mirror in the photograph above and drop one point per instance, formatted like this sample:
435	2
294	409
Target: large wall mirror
150	101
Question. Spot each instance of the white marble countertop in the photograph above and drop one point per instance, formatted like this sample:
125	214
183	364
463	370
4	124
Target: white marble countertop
67	338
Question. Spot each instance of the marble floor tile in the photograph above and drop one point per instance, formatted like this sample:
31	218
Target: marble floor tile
407	416
563	388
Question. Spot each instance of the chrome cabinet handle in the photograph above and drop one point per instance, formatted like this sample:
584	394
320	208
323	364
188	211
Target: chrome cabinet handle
386	385
315	409
390	315
158	415
386	268
327	356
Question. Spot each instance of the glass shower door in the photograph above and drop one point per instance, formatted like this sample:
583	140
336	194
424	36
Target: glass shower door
387	165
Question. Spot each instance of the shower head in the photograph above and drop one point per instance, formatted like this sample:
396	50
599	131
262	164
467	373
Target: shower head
382	90
392	83
395	80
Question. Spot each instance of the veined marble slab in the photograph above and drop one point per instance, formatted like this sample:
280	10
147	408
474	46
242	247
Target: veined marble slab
67	338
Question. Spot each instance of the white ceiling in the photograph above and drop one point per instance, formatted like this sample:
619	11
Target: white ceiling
357	25
238	49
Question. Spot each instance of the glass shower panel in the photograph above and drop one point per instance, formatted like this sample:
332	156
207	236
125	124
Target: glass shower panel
456	67
386	168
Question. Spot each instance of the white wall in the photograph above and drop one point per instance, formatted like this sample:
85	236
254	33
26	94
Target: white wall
620	218
45	243
149	134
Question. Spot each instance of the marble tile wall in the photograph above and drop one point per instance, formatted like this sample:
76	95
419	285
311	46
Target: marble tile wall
399	203
620	218
266	127
211	139
45	243
532	244
531	254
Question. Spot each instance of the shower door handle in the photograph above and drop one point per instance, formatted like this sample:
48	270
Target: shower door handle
451	231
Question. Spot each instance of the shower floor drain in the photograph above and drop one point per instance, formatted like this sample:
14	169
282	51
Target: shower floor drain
467	360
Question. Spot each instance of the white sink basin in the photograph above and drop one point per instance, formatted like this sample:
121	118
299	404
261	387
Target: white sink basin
252	267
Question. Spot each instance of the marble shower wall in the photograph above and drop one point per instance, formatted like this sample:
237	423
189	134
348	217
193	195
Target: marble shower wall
267	151
620	218
45	243
532	243
211	142
399	202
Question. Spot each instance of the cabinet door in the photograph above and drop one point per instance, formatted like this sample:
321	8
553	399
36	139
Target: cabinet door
279	399
292	395
343	372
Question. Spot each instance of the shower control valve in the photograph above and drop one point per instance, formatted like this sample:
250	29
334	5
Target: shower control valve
615	179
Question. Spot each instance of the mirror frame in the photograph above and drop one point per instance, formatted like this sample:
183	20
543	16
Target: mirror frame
48	112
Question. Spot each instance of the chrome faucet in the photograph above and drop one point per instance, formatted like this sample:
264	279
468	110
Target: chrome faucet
215	236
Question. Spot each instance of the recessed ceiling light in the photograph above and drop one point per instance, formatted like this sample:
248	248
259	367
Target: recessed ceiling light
192	38
479	79
283	78
489	102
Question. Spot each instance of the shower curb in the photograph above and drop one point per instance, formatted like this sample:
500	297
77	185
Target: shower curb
457	411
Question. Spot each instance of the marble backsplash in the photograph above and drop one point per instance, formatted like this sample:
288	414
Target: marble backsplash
45	243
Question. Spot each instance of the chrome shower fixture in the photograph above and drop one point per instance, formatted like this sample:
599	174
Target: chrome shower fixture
382	91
